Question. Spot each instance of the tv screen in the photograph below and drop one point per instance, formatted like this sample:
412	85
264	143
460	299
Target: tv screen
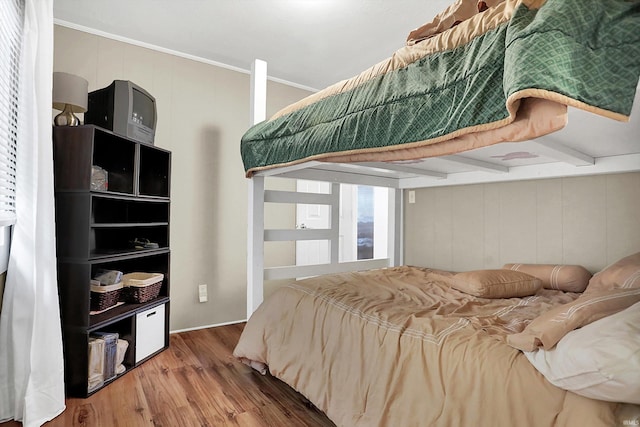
124	108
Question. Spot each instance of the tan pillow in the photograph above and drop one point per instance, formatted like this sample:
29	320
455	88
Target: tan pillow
547	329
622	274
568	278
495	283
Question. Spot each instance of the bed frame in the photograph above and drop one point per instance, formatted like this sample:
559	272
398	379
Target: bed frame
396	126
555	157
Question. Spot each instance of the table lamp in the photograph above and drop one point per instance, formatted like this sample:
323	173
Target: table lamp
70	96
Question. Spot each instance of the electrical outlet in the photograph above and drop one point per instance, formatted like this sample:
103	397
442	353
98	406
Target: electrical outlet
202	293
412	196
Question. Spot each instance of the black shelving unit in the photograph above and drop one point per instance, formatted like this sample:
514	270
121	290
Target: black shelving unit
94	229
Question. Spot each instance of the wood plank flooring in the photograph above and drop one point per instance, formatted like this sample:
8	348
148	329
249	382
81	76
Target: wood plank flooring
196	382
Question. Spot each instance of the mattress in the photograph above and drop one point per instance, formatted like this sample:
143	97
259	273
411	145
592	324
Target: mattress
400	347
505	74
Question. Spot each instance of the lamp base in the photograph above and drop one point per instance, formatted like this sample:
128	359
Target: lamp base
66	118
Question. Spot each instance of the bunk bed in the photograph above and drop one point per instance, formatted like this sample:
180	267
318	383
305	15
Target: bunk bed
480	94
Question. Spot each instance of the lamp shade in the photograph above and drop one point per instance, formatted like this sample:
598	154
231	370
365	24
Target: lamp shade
69	89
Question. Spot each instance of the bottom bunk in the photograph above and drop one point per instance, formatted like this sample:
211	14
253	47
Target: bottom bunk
409	346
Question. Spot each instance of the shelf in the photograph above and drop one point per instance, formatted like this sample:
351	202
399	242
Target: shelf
99	321
125	254
154	260
133	168
94	230
118	196
109	193
126	225
117	157
129	211
109	241
154	172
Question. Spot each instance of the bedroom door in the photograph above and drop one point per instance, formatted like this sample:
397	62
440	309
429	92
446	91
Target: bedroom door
310	252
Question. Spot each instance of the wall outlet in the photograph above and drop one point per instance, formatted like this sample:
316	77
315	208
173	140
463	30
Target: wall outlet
202	293
412	196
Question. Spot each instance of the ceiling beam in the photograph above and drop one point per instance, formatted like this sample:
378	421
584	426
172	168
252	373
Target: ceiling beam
476	164
405	169
562	153
328	172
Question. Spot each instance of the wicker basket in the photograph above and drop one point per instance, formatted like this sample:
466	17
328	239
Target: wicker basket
141	287
103	297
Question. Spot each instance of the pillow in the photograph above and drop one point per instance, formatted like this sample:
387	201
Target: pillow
459	11
624	273
495	283
599	361
548	328
568	278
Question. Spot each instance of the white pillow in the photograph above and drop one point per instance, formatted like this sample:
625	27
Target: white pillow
600	360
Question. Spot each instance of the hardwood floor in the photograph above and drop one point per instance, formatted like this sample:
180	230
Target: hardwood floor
196	382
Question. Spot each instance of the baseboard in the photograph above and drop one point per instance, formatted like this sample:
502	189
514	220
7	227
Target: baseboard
233	322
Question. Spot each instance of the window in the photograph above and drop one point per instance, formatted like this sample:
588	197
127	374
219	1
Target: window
11	16
364	222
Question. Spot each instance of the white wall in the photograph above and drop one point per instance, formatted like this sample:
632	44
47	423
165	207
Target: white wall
203	111
591	221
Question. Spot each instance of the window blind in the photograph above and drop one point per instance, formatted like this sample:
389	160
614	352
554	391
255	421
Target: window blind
11	16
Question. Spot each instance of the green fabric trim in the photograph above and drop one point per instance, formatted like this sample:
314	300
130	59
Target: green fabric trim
586	50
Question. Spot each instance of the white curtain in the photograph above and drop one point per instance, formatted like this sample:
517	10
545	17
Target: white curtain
31	363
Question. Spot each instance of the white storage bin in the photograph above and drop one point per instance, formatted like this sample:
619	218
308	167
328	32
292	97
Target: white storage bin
150	332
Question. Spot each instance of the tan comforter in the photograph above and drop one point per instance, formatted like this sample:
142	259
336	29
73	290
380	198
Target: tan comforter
398	347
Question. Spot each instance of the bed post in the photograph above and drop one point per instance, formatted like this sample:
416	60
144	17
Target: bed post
334	242
255	244
396	227
258	89
255	206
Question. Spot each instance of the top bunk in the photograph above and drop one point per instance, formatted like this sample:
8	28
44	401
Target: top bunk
488	91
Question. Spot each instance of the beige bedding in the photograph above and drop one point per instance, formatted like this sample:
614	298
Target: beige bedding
399	347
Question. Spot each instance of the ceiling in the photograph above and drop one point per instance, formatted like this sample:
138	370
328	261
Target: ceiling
311	43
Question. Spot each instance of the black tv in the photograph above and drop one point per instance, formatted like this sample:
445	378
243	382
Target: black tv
124	108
